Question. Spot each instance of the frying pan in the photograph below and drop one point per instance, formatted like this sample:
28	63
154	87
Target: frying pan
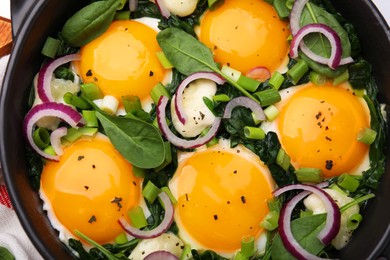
34	20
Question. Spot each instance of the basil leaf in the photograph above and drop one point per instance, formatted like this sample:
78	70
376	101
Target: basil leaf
305	231
5	254
139	142
186	53
90	22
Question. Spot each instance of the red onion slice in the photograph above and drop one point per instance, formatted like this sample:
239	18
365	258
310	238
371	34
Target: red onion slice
177	141
159	255
244	102
133	4
329	33
295	15
259	73
64	112
46	73
180	89
162	228
320	59
163	8
326	235
55	139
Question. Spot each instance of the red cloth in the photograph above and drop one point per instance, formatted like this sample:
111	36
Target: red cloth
4	198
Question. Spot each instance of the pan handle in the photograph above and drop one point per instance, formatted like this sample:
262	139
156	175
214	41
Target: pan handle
19	11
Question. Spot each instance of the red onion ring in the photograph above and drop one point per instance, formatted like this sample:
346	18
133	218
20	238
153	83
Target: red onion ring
158	255
295	15
64	112
55	139
177	141
46	73
244	102
259	73
133	4
162	228
180	89
317	58
326	235
329	33
163	8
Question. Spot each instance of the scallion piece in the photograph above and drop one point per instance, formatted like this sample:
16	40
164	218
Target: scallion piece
221	98
41	137
122	15
310	175
271	113
138	172
248	83
137	217
247	246
283	159
131	103
239	256
337	188
270	222
255	120
281	8
186	254
91	91
164	60
50	48
150	192
276	80
354	221
359	92
268	97
348	182
274	205
367	136
297	71
212	142
75	101
289	4
170	195
158	91
72	135
233	74
167	159
317	79
88	131
252	132
121	238
90	118
213	4
49	150
341	78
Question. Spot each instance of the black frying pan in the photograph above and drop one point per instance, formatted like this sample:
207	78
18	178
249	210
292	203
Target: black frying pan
34	20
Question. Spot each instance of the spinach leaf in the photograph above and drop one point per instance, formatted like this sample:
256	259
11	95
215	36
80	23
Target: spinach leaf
5	254
89	22
186	53
139	142
305	231
35	167
206	255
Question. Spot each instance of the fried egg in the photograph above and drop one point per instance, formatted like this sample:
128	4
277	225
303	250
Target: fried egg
222	196
318	128
245	34
89	189
122	61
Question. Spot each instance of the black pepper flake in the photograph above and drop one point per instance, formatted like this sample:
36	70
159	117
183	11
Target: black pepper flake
89	73
93	166
238	151
135	184
92	219
182	247
186	197
326	128
117	200
177	244
235	172
86	187
243	200
215	47
215	217
80	157
95	79
322	101
328	138
228	64
183	205
201	115
228	202
318	115
329	164
151	73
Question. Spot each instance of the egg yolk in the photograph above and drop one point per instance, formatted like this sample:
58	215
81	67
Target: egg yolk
123	61
90	188
222	197
318	128
245	34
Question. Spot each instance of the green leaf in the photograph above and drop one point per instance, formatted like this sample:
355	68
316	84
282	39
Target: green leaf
186	53
90	22
139	142
5	254
305	231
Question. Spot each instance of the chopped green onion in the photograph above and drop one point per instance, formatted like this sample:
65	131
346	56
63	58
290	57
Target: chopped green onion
131	103
186	254
276	80
138	172
167	159
289	4
248	83
268	97
255	120
121	238
356	201
283	159
270	221
49	150
233	74
297	71
247	246
337	188
213	4
348	182
221	98
41	137
212	142
51	47
90	118
274	205
311	175
158	91
76	101
271	113
239	256
358	92
317	79
281	8
354	221
150	192
137	217
123	15
164	60
367	136
72	135
91	91
341	78
88	131
252	132
306	213
169	193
